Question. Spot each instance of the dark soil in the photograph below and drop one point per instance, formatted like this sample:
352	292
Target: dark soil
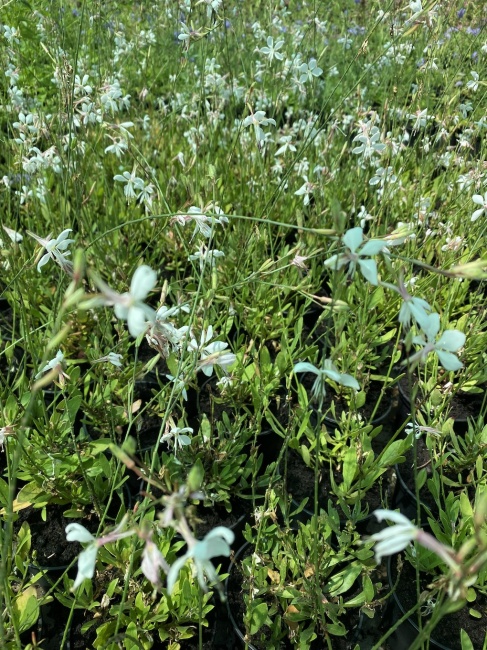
49	547
300	483
207	518
447	632
6	320
462	405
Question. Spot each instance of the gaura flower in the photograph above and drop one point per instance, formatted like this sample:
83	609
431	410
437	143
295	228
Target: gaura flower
129	306
215	543
87	558
56	250
358	255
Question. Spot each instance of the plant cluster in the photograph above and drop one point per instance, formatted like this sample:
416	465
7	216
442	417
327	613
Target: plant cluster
239	301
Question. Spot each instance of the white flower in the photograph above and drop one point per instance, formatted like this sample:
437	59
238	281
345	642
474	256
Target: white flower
203	223
305	190
132	182
56	365
353	239
395	538
152	562
327	371
54	248
473	84
449	342
15	236
482	201
215	543
258	120
4	432
206	255
271	50
309	71
179	385
214	355
111	357
177	437
87	558
129	306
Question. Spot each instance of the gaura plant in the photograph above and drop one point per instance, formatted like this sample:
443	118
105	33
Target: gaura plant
284	600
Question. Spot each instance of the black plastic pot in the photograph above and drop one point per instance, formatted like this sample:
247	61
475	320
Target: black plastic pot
405	498
408	631
469	403
49	628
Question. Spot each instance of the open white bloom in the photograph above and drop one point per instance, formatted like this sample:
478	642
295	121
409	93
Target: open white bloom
56	250
482	201
87	558
449	342
214	355
395	538
258	120
203	222
358	254
215	543
129	306
327	371
177	437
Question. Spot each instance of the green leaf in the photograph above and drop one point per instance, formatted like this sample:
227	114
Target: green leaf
360	398
465	641
3	492
392	454
73	405
195	476
305	455
471	595
258	617
343	581
368	587
336	629
26	609
349	467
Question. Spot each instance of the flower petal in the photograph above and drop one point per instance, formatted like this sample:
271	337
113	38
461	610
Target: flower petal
86	565
173	573
353	238
449	361
392	515
136	320
143	281
305	366
451	340
78	533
